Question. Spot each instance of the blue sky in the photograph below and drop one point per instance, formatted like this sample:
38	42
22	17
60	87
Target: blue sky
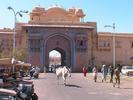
104	12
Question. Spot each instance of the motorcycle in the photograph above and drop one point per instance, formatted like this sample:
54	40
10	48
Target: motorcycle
7	94
36	74
25	91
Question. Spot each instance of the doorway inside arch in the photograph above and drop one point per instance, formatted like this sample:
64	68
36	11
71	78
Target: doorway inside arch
56	59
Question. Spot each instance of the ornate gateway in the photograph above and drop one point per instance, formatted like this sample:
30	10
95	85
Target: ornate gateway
63	31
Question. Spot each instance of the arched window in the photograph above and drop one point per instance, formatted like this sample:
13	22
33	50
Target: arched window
81	42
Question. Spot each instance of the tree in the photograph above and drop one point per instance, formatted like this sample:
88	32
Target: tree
21	54
4	54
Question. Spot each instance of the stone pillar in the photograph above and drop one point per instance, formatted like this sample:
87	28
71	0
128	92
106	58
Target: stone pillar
42	56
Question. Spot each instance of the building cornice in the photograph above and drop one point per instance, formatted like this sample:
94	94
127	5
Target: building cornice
59	25
6	32
109	34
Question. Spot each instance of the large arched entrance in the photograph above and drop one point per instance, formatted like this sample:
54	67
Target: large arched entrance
61	43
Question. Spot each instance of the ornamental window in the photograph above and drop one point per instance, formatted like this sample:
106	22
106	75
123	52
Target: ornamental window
132	44
81	43
104	44
34	45
118	44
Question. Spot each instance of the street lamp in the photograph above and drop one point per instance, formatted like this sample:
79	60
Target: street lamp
113	41
14	32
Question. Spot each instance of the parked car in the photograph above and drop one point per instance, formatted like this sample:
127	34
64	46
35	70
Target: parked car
127	70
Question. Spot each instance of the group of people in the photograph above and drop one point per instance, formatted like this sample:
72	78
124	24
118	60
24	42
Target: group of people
106	70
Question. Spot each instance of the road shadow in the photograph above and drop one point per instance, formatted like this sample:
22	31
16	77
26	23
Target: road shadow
107	82
98	82
128	88
72	85
40	78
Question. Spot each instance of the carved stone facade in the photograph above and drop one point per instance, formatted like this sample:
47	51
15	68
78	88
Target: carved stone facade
56	14
60	30
68	41
123	48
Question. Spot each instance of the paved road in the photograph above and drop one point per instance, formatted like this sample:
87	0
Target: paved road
81	88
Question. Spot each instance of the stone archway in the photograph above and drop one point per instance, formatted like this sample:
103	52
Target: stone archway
61	43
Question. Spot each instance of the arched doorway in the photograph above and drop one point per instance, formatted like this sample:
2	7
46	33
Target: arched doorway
54	58
59	54
63	45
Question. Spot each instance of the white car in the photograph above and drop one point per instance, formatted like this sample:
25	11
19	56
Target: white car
127	70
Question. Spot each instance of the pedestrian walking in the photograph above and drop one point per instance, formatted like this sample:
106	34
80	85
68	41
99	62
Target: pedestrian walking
111	70
95	73
117	76
104	71
84	71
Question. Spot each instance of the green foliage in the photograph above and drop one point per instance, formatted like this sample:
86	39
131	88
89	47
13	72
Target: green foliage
4	55
21	54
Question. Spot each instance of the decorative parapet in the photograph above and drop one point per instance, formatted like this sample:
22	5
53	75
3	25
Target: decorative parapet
56	14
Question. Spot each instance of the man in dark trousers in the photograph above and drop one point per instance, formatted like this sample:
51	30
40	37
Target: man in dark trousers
111	69
117	76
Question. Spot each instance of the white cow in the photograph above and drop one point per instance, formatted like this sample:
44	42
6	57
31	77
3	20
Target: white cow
63	72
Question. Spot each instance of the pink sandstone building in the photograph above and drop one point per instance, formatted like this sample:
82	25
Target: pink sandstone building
63	30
